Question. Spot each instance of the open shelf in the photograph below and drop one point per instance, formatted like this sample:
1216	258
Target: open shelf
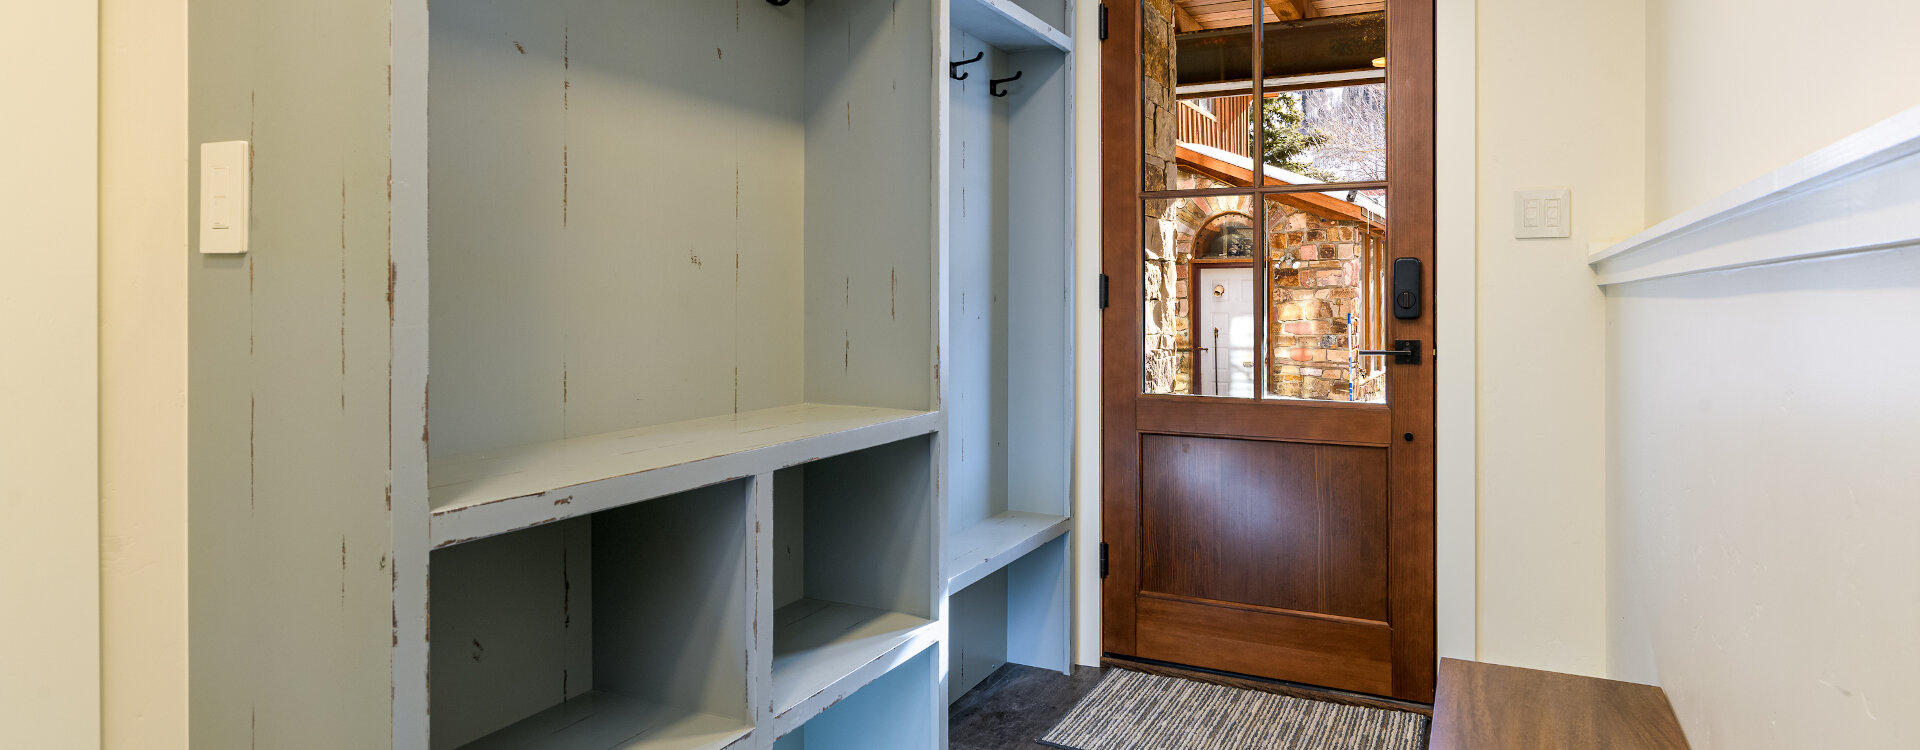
853	570
489	492
978	550
600	721
628	628
1009	383
897	710
673	243
823	648
1007	25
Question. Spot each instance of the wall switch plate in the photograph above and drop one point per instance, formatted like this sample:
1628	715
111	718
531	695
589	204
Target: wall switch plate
1542	213
224	190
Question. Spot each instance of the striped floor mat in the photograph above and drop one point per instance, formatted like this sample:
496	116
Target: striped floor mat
1134	711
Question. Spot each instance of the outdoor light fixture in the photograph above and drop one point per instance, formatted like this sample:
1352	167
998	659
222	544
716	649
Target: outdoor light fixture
1379	62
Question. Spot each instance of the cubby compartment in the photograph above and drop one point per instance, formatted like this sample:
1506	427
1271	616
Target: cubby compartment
1009	393
854	572
669	232
629	628
898	711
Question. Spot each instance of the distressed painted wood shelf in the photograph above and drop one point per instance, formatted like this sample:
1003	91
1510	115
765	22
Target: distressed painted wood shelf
1008	26
600	721
824	651
977	551
490	492
1008	394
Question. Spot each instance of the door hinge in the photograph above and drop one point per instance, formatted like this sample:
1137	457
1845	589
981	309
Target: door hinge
1103	22
1103	559
1104	301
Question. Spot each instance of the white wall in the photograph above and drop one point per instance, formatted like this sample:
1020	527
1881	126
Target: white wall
1763	492
143	373
1560	105
49	371
1737	88
1765	501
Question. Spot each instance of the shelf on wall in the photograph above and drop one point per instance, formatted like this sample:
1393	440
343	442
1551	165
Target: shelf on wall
824	651
597	720
489	492
977	551
1010	27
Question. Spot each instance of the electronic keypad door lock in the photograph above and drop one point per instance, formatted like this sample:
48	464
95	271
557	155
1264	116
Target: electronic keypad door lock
1406	288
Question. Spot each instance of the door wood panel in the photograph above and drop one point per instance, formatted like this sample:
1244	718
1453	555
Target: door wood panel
1289	526
1316	651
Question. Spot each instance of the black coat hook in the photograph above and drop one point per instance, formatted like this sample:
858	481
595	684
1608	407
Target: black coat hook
779	2
993	85
953	68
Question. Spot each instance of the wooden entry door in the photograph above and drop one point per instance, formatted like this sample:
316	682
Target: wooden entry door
1288	532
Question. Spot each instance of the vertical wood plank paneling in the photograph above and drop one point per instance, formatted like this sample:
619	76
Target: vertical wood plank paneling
870	529
513	626
869	275
407	432
617	224
671	603
290	556
977	272
1038	286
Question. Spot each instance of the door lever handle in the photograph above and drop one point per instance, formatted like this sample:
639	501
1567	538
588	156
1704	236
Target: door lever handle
1404	352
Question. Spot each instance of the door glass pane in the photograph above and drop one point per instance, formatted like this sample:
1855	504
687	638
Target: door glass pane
1325	109
1200	287
1327	295
1196	90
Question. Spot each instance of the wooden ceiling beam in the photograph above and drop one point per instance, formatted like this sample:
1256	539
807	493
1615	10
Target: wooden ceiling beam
1289	10
1183	20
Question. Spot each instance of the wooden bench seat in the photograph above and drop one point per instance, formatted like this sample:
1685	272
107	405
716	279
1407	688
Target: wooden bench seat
1492	707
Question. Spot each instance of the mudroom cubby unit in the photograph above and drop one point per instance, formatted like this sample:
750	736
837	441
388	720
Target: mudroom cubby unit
631	628
638	374
855	573
1009	396
671	231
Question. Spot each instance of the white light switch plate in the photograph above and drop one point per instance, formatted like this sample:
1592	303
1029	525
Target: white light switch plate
1542	213
224	191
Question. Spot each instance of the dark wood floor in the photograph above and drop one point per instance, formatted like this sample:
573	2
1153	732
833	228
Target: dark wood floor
1016	705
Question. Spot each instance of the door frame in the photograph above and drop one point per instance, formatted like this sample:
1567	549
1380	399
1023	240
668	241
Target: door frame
1413	77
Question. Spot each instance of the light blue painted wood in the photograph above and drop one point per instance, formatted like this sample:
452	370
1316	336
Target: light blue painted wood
1011	25
899	711
978	627
1010	334
1039	603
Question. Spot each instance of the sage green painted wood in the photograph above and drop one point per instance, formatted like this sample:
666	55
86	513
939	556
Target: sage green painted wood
513	620
650	602
407	394
617	219
870	228
290	579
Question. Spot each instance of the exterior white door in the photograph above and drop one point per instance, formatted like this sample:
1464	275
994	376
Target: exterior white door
1226	332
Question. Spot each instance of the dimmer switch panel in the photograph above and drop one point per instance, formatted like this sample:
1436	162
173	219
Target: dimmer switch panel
1542	213
224	191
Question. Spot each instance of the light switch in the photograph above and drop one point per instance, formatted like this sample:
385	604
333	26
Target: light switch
223	197
1542	213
